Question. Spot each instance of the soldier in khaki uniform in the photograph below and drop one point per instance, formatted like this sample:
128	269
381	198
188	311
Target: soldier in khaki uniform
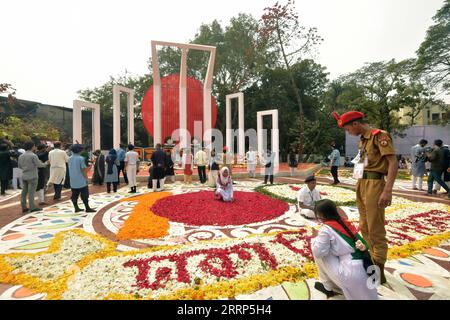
376	160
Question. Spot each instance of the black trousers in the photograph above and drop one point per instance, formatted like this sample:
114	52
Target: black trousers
4	186
150	183
268	177
334	173
202	173
58	189
83	192
121	167
108	186
67	180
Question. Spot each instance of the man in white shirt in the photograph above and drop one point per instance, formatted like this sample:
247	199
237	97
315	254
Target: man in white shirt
201	160
251	162
17	172
132	167
307	198
58	159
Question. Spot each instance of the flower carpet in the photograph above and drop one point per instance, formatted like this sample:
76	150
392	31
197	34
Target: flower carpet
200	208
183	244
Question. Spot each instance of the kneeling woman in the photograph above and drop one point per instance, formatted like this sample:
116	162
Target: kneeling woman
338	253
224	185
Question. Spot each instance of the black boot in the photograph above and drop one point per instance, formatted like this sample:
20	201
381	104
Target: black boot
319	286
87	208
75	205
108	187
114	187
382	276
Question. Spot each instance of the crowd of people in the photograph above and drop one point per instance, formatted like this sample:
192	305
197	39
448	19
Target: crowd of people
37	168
437	159
349	263
33	169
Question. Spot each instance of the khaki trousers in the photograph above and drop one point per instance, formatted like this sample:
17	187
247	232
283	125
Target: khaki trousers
371	217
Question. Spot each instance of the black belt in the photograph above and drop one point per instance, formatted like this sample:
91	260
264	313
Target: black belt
372	175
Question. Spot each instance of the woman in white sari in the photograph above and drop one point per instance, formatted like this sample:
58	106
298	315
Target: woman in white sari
224	185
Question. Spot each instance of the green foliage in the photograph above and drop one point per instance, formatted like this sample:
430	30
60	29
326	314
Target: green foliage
266	60
434	52
241	58
21	130
380	90
274	91
290	41
103	95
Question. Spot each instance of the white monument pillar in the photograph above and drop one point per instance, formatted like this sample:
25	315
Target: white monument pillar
156	96
241	128
116	115
207	89
275	134
183	99
77	122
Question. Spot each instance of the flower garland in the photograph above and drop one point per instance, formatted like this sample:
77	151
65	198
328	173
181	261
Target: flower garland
347	197
415	247
160	273
80	265
404	207
200	289
289	192
142	222
54	285
417	226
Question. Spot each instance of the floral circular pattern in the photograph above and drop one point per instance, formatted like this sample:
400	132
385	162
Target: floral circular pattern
201	208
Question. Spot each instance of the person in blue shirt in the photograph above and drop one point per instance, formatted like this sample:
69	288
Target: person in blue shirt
78	178
121	167
335	162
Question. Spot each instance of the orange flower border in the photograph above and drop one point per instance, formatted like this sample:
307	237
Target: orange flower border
142	222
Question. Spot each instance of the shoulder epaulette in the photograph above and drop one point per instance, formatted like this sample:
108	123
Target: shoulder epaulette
376	131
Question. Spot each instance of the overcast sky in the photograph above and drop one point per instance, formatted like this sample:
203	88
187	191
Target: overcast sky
50	49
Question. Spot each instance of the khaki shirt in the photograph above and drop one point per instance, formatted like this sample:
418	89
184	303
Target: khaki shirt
376	144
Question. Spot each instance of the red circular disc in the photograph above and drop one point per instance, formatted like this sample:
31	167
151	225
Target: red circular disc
170	93
200	208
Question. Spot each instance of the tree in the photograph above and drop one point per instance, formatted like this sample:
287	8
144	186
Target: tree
241	58
4	105
434	52
6	87
103	95
22	130
281	29
419	96
380	90
274	90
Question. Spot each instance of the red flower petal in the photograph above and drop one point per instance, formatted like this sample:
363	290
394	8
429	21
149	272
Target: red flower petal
200	208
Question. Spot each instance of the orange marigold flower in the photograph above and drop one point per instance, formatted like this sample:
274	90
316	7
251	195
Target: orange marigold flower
142	222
